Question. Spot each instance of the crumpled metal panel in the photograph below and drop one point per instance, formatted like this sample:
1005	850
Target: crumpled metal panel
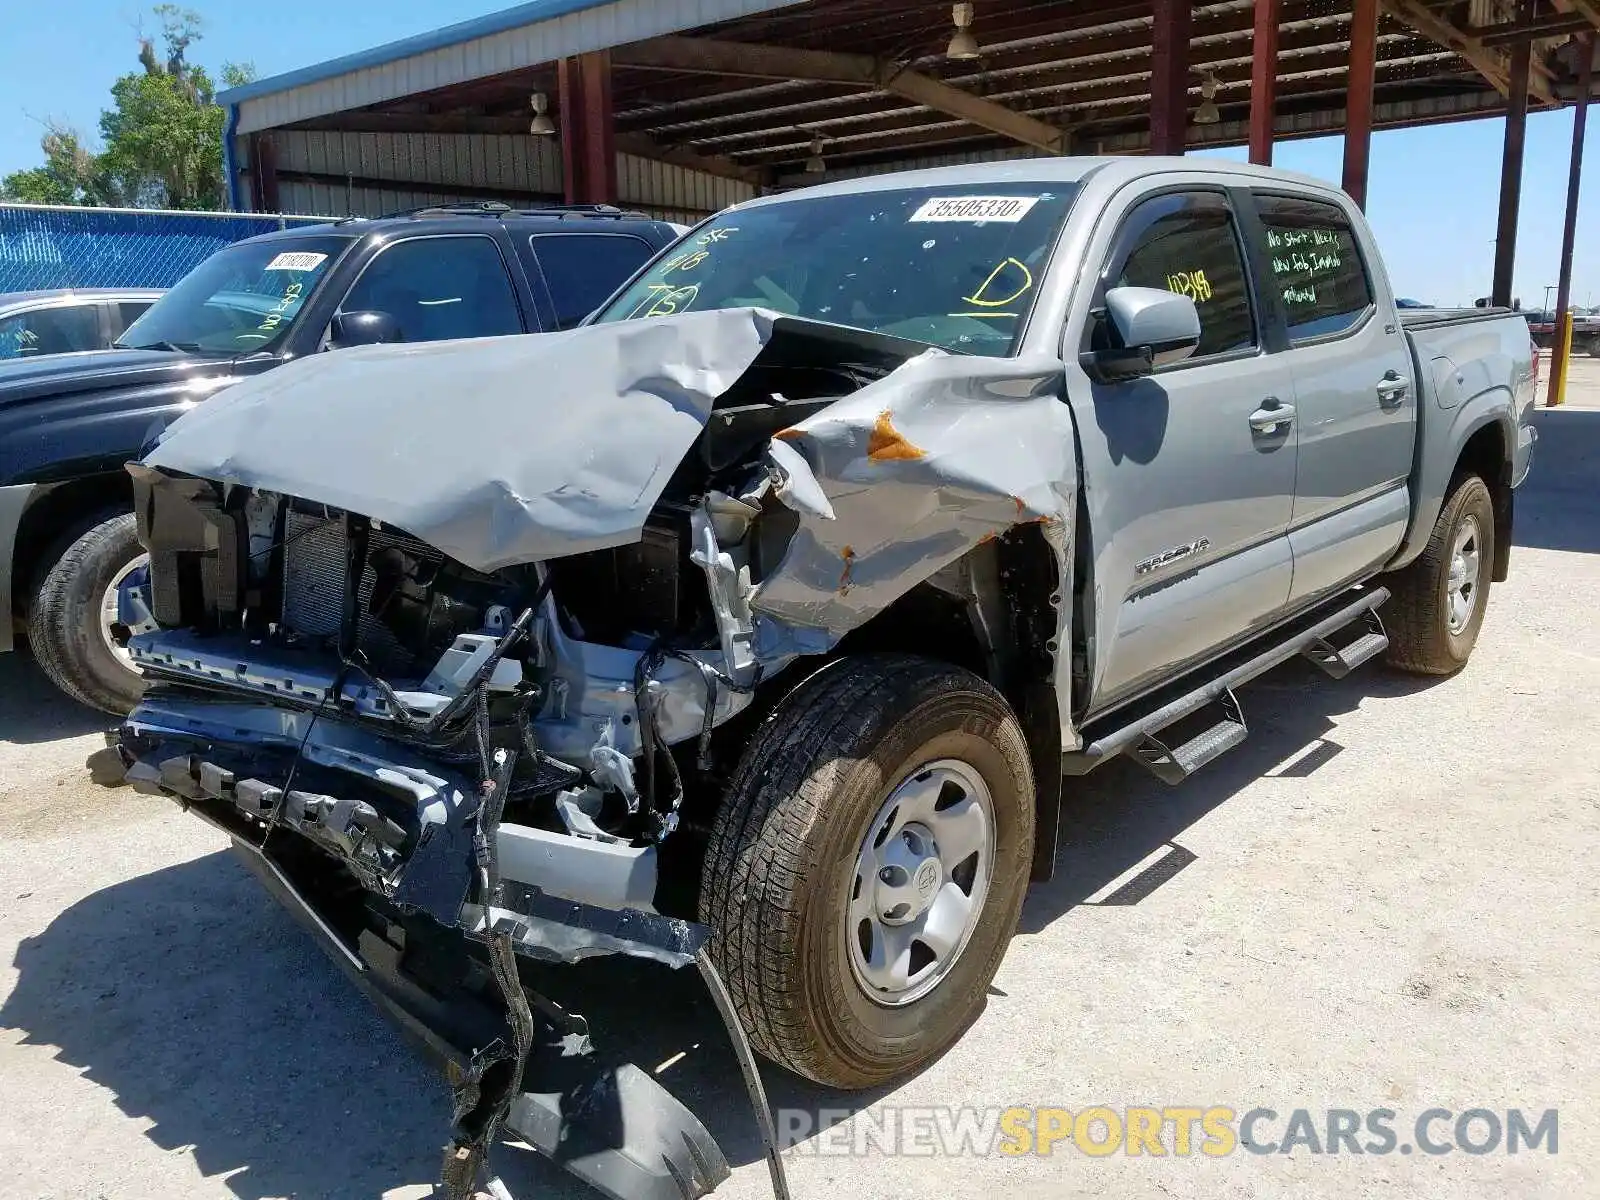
918	469
496	450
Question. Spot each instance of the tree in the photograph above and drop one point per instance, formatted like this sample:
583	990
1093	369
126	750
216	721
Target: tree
71	174
162	138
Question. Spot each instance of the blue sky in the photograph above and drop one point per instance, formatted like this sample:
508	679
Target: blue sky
1433	191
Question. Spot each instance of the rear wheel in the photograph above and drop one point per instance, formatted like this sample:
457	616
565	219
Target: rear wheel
868	866
74	609
1439	600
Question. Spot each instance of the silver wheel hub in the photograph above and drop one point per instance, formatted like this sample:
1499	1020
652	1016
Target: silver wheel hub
1461	592
921	879
141	622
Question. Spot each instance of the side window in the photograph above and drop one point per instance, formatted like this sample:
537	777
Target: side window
583	269
1187	242
1316	266
50	331
438	288
125	313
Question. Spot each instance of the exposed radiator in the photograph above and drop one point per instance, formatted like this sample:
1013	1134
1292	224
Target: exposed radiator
315	557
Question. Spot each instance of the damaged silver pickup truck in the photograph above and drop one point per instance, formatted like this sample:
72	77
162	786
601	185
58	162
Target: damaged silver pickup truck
758	622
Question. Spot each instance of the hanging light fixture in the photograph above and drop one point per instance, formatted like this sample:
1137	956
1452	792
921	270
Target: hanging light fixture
815	165
541	125
1208	113
963	45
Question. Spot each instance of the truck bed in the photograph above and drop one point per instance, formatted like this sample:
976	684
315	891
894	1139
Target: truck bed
1462	359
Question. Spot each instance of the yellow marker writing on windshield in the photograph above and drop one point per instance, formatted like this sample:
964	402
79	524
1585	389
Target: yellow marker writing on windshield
1001	302
687	262
662	300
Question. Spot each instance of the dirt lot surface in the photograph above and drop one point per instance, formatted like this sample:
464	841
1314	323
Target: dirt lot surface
1389	897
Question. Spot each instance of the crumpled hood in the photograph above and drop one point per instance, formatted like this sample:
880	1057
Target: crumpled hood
495	450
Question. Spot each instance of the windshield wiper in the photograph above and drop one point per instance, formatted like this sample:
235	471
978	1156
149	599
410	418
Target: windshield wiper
175	347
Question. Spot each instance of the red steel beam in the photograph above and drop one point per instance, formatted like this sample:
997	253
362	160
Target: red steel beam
1358	102
1264	81
1569	232
588	129
1169	76
1505	241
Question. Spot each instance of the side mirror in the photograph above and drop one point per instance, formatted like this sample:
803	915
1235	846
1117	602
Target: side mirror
1152	328
362	328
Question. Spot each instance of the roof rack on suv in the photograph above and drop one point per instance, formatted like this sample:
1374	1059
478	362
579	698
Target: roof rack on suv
581	210
496	208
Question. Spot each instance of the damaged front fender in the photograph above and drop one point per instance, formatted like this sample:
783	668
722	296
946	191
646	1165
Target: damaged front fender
908	475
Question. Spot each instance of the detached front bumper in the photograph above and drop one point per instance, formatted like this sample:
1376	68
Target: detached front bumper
389	894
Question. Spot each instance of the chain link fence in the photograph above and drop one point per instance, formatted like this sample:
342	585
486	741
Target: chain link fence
46	247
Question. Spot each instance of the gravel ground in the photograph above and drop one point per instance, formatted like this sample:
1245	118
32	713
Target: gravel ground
1386	898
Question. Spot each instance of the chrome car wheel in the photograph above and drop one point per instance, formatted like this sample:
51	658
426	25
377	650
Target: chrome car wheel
1465	565
110	614
921	879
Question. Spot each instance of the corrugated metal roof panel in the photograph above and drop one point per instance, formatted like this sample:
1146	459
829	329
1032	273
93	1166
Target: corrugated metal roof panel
438	159
525	36
449	166
646	183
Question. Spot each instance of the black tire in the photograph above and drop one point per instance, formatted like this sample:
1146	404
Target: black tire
781	862
1418	616
64	620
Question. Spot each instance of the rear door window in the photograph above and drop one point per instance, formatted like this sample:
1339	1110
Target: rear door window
125	313
56	330
1316	266
439	288
583	269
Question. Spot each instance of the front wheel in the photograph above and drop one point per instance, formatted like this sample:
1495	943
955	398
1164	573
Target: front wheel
868	865
1439	599
74	609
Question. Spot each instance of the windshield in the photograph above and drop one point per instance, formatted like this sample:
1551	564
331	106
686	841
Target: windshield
956	267
241	300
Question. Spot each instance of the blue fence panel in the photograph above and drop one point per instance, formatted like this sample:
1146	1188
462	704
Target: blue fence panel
99	247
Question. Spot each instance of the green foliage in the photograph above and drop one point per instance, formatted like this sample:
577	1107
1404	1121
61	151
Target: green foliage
71	174
162	138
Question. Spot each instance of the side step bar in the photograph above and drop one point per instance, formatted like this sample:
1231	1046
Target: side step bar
1339	661
1174	763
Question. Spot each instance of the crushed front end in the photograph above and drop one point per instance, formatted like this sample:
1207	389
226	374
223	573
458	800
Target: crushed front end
425	764
452	770
443	636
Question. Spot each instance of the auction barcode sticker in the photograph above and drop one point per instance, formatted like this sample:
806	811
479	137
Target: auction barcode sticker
1010	209
301	260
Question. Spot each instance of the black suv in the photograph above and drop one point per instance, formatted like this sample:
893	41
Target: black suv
69	423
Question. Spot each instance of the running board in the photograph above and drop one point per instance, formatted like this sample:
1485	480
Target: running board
1339	661
1175	763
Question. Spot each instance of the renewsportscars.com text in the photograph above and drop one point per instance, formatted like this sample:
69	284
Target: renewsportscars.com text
1166	1131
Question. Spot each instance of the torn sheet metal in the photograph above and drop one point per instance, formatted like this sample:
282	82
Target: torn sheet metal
907	475
495	450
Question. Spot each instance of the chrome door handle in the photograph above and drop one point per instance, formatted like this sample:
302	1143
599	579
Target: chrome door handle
1392	388
1272	413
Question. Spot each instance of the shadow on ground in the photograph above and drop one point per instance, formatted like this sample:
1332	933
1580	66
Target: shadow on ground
32	710
1558	508
208	1012
1121	815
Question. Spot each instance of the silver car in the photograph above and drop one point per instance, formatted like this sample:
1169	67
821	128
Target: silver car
33	324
